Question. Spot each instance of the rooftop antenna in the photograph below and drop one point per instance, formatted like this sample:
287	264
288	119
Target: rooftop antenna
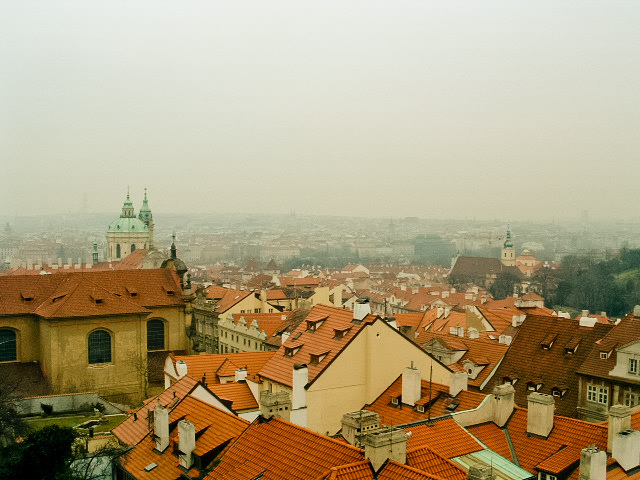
430	383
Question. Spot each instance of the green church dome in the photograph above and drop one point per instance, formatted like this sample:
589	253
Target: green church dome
128	224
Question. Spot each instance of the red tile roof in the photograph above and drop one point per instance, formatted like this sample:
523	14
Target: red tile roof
267	322
444	437
280	367
530	361
226	297
135	428
239	394
89	293
426	460
398	414
282	451
209	364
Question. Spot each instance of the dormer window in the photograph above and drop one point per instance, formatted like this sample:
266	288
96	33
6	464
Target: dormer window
604	355
291	350
395	400
315	359
339	333
534	386
559	391
420	408
27	296
313	325
548	341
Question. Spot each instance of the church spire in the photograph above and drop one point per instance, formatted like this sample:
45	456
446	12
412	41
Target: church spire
508	243
127	208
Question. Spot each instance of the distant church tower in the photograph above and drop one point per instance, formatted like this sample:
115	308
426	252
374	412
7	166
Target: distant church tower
508	252
128	233
146	216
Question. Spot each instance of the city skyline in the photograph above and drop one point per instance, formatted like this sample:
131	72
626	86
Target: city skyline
367	109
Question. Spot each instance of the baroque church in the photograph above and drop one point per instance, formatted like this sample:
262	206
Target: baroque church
129	233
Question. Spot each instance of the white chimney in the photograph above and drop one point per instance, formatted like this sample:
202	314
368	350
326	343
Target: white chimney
300	380
593	464
473	333
619	420
161	427
503	403
181	368
458	381
540	414
187	442
636	311
626	449
241	374
411	385
517	320
361	309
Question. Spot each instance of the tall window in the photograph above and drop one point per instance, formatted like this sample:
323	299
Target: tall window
155	335
633	366
99	347
117	250
133	247
8	345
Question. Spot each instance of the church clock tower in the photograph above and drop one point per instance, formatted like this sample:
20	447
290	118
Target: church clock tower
508	252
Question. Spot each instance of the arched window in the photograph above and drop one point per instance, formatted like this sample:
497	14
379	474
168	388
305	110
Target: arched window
8	345
133	247
99	347
118	250
155	335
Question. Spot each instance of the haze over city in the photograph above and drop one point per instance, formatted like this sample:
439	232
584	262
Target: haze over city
507	110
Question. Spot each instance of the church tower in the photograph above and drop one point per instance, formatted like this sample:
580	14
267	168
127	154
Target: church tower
147	218
127	233
508	252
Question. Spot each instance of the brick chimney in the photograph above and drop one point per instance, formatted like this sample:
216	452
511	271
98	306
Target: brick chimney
540	414
593	464
411	385
388	443
161	427
187	442
619	420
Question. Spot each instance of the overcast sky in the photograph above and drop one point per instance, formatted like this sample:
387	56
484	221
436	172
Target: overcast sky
507	110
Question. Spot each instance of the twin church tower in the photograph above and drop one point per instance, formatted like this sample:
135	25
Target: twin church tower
130	233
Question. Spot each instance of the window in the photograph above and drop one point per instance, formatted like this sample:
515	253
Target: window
604	355
99	347
420	408
8	345
155	335
118	250
631	399
133	247
394	401
598	394
633	366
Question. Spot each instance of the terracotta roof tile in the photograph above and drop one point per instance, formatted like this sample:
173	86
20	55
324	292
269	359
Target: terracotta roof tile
530	361
282	451
444	437
135	428
209	363
493	437
565	457
239	394
440	400
280	367
426	460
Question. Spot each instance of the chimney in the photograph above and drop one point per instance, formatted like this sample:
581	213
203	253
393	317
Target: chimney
517	320
276	404
181	368
59	262
337	296
619	420
636	311
503	404
361	308
285	336
473	333
593	464
440	311
241	375
540	414
480	472
411	385
626	449
584	313
445	294
161	427
300	380
355	425
457	383
187	442
385	444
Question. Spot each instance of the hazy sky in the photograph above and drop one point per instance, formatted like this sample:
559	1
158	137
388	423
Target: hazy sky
508	110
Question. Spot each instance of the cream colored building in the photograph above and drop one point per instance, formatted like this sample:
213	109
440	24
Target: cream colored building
129	233
336	362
